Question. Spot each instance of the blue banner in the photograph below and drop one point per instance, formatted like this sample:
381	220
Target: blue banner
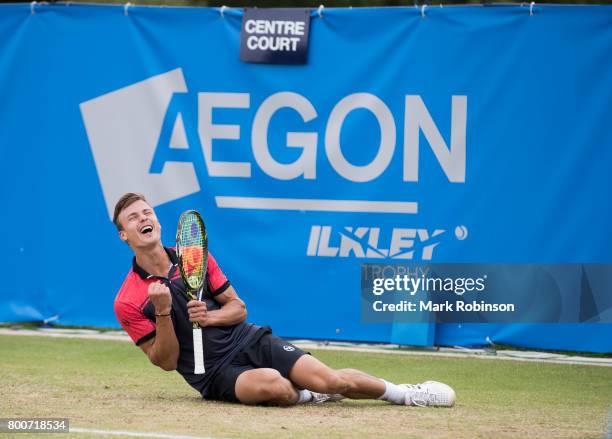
455	134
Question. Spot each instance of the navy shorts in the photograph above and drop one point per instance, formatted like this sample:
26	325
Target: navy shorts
269	351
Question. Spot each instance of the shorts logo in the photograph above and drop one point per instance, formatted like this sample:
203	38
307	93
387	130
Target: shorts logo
288	348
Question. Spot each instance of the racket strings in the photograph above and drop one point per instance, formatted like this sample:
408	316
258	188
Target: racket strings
192	243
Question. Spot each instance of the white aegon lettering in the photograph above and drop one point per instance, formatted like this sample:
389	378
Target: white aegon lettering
306	164
209	131
387	137
451	159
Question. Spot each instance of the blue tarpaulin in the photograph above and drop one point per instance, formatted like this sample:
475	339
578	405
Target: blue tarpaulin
455	134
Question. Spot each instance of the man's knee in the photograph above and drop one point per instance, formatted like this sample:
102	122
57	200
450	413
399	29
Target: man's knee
278	389
265	385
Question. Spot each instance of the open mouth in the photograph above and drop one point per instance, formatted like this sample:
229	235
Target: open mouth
146	229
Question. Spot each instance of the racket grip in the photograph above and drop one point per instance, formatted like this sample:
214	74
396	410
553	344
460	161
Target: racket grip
198	352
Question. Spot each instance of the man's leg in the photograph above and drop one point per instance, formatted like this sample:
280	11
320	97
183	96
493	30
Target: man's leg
312	374
255	378
257	386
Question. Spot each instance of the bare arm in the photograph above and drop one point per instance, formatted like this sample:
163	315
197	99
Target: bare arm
163	349
232	311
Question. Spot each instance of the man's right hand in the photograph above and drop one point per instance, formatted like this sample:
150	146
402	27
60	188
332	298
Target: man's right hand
163	349
160	297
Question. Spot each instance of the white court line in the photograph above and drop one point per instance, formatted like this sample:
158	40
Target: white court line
134	433
362	206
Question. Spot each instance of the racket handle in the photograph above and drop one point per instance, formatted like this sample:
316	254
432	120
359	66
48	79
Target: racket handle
198	352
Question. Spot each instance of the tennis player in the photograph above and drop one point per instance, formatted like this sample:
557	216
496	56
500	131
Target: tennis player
244	362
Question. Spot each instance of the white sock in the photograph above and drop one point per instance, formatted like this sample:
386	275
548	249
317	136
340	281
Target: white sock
393	393
304	396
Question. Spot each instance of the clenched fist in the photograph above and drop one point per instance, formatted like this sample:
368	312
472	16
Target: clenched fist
197	312
160	297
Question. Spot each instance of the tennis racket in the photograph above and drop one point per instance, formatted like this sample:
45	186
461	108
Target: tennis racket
192	253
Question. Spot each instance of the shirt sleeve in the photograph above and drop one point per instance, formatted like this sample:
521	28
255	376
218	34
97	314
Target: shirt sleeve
217	282
134	322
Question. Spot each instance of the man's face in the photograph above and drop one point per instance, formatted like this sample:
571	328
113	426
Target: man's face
141	229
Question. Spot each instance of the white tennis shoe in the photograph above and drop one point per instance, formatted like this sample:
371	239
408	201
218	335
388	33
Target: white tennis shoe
320	398
429	394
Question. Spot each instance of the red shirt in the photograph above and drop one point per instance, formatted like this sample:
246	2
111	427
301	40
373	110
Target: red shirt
133	297
221	344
